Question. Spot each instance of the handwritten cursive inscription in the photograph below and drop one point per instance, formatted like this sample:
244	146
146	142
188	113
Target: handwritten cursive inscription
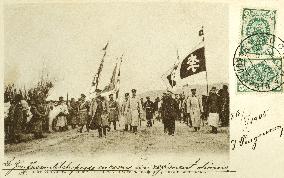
248	120
24	168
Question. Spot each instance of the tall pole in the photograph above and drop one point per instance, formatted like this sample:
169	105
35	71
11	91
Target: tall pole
67	99
206	83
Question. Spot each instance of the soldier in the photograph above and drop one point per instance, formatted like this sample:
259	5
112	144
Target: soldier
169	110
83	113
149	108
213	108
101	115
177	99
125	111
194	108
37	120
113	111
157	106
135	111
224	106
73	112
143	113
17	119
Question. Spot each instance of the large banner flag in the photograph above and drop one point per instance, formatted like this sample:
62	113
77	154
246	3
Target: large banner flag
193	63
113	86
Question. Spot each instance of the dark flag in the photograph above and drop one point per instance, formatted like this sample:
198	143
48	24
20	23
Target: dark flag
193	63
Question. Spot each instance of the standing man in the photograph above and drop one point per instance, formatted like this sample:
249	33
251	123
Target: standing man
101	115
169	110
37	120
61	118
83	113
17	119
73	113
125	111
113	111
194	108
157	107
224	106
213	108
135	111
143	112
149	108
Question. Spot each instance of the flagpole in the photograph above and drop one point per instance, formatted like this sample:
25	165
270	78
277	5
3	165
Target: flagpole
203	40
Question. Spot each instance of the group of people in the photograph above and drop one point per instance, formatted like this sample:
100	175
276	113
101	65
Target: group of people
196	111
101	112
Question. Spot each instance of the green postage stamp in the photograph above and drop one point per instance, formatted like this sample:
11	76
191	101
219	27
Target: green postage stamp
257	59
257	21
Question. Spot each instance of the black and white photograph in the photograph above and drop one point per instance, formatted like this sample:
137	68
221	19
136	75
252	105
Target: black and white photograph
133	79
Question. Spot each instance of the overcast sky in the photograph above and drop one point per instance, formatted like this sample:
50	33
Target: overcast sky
69	37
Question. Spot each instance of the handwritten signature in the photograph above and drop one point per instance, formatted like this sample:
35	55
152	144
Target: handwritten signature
244	140
249	120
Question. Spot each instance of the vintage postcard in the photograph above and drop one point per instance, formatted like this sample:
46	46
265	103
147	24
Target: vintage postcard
145	89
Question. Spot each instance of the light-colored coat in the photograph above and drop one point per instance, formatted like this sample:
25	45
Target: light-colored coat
135	111
125	112
54	113
194	108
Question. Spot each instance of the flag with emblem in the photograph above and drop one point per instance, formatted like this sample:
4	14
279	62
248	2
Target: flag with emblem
193	63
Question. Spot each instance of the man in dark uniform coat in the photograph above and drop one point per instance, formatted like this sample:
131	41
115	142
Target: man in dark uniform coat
213	109
169	113
224	106
149	108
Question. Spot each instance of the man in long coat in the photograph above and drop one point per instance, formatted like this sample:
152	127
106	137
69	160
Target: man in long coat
214	109
100	117
83	113
73	110
113	111
125	112
194	108
169	110
224	106
135	111
61	118
149	108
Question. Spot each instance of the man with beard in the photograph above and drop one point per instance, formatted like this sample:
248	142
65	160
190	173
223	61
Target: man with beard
149	108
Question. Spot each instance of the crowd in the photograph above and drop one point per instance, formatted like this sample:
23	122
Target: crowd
37	116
